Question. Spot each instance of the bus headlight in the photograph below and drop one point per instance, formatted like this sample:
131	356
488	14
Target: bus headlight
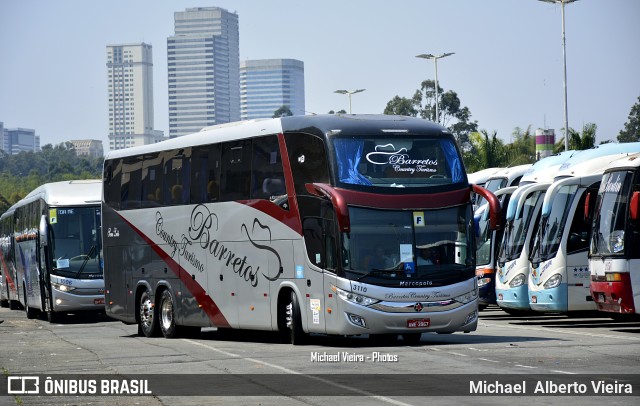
517	281
355	297
553	282
62	288
467	297
483	281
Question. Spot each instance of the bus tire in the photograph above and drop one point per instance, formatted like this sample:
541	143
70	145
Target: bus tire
294	321
31	312
411	338
167	315
148	316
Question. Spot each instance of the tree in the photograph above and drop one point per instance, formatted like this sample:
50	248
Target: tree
338	112
631	131
283	111
486	151
579	141
452	114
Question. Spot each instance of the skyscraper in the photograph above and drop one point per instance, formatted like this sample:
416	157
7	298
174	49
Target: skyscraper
130	84
268	84
16	140
204	70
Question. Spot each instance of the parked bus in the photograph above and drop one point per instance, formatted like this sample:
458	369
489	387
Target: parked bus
559	280
521	220
480	178
333	224
52	244
8	273
502	184
614	256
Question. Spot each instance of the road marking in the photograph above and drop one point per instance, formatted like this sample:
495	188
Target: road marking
562	332
489	360
564	372
525	366
290	371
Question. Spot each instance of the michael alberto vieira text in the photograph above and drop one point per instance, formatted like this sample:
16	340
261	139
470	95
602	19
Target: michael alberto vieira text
547	387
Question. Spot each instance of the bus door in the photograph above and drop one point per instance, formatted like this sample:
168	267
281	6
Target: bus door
577	240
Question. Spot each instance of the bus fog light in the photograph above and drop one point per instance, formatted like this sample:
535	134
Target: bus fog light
471	317
517	281
553	282
58	301
357	320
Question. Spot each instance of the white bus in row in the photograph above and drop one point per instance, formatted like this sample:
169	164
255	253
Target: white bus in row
51	251
614	253
338	224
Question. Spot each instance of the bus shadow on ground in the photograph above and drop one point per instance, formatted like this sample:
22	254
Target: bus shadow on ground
364	341
79	318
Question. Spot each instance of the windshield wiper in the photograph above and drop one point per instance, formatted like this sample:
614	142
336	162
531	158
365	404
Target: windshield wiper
377	270
84	263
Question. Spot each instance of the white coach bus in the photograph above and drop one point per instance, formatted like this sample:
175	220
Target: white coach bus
52	251
303	224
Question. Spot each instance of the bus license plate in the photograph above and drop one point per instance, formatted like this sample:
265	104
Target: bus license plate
98	301
534	299
418	323
500	296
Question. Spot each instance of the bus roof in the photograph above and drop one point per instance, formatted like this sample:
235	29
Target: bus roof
314	124
545	169
630	161
511	173
66	193
480	177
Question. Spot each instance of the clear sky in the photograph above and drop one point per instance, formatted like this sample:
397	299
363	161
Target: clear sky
507	67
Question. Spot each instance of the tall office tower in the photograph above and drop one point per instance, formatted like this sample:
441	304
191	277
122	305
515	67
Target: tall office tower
130	81
268	84
204	70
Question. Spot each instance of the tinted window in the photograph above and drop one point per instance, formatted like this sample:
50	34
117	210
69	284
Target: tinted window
267	173
308	160
235	178
205	174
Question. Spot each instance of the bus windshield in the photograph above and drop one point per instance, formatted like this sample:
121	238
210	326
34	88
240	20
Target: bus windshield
396	249
483	240
609	225
397	162
552	227
76	249
515	233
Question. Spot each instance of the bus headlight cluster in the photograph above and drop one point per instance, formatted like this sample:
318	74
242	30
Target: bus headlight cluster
517	281
553	282
483	281
355	297
62	288
467	297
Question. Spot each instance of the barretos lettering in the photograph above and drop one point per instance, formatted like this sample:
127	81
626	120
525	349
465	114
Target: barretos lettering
202	227
400	160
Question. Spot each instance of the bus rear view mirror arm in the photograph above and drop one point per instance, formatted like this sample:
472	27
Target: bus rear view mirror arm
337	200
494	206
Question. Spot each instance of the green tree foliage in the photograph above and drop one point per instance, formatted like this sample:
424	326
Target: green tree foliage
578	141
338	112
23	172
283	111
631	131
450	110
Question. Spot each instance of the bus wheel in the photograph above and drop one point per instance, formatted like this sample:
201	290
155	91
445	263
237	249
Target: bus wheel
167	315
148	324
294	321
411	338
31	312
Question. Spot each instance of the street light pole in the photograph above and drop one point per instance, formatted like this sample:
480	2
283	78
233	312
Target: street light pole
435	62
349	93
564	65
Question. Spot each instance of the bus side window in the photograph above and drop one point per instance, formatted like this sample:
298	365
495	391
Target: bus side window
176	179
308	160
266	172
235	176
205	173
313	240
111	183
131	183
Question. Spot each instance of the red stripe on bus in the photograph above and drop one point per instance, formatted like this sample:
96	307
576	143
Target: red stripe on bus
425	201
203	299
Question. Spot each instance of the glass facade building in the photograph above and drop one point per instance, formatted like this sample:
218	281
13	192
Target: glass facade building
268	84
203	70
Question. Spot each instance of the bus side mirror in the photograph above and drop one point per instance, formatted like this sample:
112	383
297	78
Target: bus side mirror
634	208
587	208
42	229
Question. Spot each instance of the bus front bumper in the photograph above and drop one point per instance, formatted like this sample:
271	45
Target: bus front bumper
550	300
513	298
76	301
